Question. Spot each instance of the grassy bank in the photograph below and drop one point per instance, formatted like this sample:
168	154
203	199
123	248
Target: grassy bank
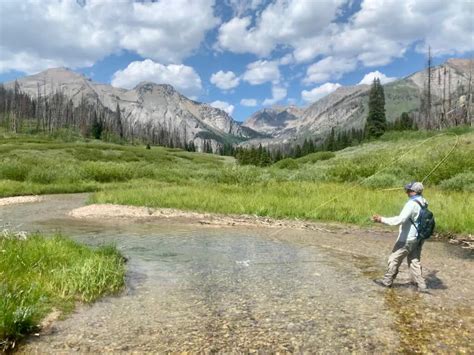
293	188
39	273
303	200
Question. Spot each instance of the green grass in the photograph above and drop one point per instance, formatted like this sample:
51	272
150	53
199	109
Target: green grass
31	165
293	188
291	199
40	273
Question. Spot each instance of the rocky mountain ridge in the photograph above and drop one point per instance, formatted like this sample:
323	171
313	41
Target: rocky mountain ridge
146	107
151	110
347	106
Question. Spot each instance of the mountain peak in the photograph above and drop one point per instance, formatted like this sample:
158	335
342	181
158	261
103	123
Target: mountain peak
145	86
62	73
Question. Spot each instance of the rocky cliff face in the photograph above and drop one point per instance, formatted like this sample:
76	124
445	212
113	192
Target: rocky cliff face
346	107
146	107
273	121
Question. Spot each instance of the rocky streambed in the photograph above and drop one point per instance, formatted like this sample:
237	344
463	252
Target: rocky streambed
195	286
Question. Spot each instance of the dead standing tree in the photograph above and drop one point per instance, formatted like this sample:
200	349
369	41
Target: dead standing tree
469	95
428	91
425	116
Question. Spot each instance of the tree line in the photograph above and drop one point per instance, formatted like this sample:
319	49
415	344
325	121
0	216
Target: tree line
375	126
48	114
51	113
264	156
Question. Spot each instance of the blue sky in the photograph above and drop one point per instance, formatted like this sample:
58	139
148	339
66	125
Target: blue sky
239	55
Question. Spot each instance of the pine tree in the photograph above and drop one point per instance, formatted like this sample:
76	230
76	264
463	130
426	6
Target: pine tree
298	151
405	121
264	158
118	118
97	127
306	148
376	121
330	143
278	155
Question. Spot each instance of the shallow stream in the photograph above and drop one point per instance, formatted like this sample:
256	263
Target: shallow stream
195	288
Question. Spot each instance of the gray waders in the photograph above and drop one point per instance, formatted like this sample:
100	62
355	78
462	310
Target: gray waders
412	251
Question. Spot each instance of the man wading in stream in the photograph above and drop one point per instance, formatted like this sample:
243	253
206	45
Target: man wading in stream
407	245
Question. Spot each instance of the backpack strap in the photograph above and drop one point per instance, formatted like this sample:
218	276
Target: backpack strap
422	207
419	203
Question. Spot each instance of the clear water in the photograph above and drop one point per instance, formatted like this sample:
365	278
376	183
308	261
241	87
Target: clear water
194	288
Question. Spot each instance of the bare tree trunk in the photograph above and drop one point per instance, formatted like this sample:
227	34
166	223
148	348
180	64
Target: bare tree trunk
444	97
428	98
469	95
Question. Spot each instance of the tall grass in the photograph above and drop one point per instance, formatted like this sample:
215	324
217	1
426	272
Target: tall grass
131	174
41	272
347	203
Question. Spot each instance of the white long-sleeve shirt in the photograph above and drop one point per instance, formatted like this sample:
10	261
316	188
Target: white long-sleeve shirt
411	210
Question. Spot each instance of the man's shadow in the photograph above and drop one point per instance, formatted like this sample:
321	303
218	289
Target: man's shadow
433	282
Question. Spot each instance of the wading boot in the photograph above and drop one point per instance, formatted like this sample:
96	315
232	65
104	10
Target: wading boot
381	283
424	290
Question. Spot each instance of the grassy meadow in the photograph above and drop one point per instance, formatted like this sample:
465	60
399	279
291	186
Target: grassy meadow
345	186
38	273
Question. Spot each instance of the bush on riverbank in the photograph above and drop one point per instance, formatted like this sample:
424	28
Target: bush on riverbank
38	273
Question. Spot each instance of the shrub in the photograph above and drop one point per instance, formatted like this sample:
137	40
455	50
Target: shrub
43	175
352	170
288	163
13	170
314	157
107	172
383	180
245	175
460	182
144	171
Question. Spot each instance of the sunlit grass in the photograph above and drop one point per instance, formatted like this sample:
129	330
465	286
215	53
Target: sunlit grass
346	203
294	188
41	272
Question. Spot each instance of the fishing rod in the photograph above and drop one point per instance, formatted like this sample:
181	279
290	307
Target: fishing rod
437	165
397	160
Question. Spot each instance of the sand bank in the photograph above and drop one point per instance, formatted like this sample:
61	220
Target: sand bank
18	199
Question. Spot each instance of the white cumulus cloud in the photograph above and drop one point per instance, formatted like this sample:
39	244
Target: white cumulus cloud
280	22
376	34
39	34
223	105
445	25
225	80
240	7
329	68
248	102
369	78
183	78
278	94
319	92
262	71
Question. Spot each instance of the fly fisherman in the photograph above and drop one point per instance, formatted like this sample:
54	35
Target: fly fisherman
407	244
